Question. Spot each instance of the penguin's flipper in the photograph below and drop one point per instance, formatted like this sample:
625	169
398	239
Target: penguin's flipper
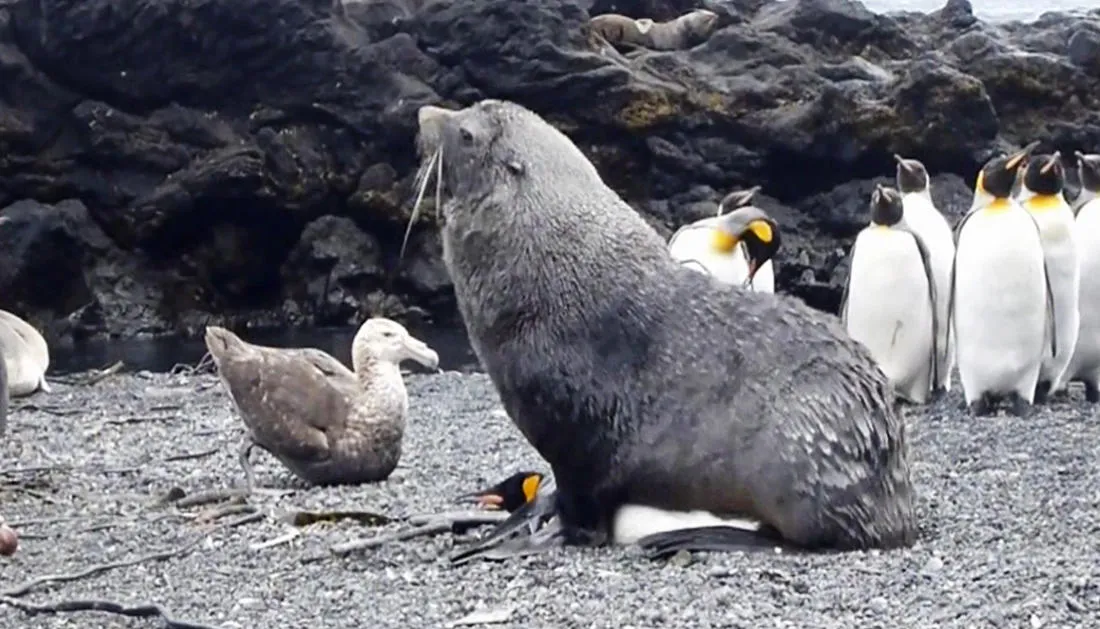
714	539
951	286
1052	327
695	264
926	261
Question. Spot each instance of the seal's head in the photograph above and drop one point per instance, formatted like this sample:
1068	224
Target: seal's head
480	149
886	207
911	175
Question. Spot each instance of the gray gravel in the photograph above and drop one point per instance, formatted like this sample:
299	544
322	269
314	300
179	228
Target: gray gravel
1009	510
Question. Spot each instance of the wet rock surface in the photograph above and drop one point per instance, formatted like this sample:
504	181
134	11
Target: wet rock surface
168	164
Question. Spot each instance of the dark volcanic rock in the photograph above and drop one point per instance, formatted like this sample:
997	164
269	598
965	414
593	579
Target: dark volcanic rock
173	162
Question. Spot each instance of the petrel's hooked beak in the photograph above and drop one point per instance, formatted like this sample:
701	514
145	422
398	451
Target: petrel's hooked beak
419	351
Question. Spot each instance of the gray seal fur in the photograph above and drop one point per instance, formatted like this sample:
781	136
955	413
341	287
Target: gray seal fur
641	381
688	30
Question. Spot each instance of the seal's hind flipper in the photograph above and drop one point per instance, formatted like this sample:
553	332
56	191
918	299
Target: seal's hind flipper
711	538
518	533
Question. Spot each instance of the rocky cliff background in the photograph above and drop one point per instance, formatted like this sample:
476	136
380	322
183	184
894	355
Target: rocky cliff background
168	163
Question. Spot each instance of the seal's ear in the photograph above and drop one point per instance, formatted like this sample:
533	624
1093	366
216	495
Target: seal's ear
515	167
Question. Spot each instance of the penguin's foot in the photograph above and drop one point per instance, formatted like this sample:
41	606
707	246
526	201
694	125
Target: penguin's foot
981	406
243	456
1058	395
1020	406
713	539
1092	392
1042	391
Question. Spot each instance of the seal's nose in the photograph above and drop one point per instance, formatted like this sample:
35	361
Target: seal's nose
429	114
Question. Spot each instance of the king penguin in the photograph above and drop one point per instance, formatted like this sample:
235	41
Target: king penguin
1041	195
927	222
1000	299
1085	364
888	258
736	246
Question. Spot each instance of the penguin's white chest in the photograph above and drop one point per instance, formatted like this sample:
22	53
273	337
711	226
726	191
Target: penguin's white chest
1060	250
1000	303
889	309
1086	358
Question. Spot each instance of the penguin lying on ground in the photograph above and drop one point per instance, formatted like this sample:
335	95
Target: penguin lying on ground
1085	363
509	494
736	246
1000	303
1041	195
889	258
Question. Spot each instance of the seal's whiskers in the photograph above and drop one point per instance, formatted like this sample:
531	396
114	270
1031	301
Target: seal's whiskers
422	178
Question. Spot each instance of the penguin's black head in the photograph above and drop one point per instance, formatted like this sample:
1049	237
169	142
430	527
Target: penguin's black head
912	176
1088	170
736	200
753	226
509	494
886	206
998	176
1044	174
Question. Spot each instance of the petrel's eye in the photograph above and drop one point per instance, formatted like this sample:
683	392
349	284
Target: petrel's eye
467	137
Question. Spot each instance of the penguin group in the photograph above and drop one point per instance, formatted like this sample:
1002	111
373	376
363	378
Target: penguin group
1007	296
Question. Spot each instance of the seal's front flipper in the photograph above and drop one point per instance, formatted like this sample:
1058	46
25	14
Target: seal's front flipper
711	538
518	534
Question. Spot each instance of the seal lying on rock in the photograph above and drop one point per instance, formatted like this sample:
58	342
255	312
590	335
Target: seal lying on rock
325	423
688	30
649	387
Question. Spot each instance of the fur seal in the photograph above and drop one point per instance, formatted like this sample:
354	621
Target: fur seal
645	385
686	31
26	354
327	424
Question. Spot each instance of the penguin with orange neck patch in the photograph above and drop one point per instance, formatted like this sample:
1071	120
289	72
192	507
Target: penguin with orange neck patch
509	494
1000	301
735	247
1041	195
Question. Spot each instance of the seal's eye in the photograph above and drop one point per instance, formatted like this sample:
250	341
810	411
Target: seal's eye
467	137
